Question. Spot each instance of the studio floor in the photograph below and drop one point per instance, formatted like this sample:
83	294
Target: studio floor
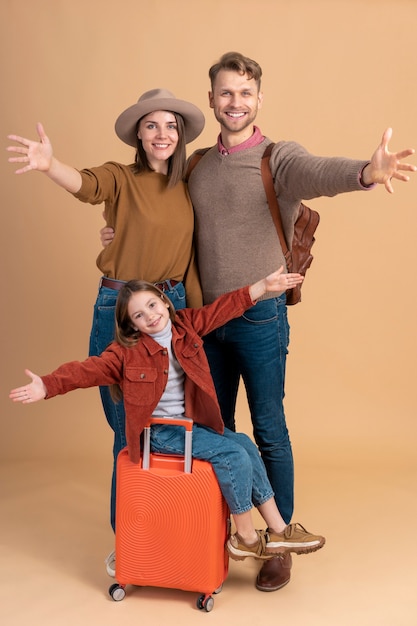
55	536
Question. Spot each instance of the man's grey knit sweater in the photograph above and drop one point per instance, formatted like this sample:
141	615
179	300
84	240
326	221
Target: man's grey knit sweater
236	240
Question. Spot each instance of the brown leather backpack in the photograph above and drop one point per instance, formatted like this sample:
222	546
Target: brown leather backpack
299	258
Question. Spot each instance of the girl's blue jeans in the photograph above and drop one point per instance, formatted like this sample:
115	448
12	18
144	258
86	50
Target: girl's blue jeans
235	459
102	334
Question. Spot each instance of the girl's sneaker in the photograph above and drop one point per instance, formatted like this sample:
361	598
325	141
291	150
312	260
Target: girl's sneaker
238	550
295	538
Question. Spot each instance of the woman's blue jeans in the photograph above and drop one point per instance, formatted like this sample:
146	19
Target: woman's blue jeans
254	347
234	457
102	334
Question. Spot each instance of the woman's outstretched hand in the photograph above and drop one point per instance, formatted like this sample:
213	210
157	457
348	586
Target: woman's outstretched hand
36	155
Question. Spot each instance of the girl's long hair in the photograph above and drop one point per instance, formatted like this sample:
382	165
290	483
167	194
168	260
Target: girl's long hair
125	334
176	163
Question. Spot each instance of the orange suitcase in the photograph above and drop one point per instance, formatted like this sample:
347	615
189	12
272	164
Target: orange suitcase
172	522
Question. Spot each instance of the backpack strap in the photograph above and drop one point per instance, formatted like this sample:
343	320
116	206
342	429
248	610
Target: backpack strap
273	202
194	159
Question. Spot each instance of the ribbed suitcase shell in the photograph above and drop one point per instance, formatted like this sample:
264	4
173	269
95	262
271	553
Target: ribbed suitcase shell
171	526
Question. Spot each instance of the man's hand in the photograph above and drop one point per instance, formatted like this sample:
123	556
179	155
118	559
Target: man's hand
106	235
385	165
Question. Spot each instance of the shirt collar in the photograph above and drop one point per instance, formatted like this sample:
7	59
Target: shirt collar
254	140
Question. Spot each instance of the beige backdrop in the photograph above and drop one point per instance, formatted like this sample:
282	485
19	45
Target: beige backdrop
336	74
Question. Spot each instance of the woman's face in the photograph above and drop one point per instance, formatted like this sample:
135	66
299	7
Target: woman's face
159	135
148	312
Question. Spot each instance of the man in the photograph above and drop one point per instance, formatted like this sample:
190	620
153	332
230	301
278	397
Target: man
233	227
237	243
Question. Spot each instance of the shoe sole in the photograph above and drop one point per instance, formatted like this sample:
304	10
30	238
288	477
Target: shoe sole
296	548
240	555
260	588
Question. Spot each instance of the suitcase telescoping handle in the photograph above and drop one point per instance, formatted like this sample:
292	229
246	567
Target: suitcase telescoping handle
169	421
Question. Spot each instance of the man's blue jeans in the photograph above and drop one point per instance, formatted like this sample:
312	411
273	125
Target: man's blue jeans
255	346
234	457
102	334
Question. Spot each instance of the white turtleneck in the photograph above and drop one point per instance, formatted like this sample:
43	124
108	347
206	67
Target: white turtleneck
171	403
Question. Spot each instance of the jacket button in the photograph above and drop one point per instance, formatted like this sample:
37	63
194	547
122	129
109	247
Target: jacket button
165	371
142	375
164	352
196	345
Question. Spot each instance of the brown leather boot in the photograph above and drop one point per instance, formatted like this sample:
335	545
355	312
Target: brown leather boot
274	573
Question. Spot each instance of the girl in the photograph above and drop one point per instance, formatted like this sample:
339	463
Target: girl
159	363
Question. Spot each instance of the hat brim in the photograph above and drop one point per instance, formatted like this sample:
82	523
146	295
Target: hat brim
126	123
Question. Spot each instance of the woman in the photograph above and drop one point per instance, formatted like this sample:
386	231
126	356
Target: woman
148	206
159	362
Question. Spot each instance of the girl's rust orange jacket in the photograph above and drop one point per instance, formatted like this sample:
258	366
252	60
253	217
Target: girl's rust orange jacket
142	370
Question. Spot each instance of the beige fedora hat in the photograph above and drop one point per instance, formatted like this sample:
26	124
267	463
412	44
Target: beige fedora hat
158	100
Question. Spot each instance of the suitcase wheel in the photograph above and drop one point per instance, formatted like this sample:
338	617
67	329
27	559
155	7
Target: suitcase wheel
205	603
117	592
